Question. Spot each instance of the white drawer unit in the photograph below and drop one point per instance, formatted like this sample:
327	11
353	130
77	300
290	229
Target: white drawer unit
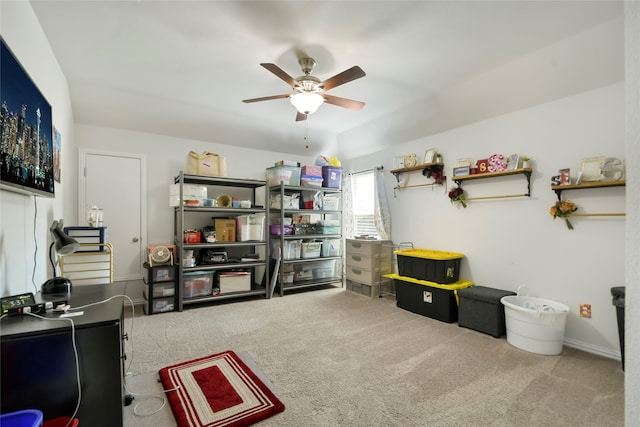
367	261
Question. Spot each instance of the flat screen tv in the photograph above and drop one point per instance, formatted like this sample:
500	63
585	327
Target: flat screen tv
26	143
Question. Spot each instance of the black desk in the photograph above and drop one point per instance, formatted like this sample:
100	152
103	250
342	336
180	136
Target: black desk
38	364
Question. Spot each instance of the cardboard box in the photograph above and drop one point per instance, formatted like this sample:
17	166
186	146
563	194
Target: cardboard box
225	229
235	281
207	163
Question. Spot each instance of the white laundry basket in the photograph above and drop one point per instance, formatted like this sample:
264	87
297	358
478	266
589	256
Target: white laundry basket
535	324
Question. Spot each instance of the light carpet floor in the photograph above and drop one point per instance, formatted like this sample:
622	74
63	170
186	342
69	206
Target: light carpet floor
336	358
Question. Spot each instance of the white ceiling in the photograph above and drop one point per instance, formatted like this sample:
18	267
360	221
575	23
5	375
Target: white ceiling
181	68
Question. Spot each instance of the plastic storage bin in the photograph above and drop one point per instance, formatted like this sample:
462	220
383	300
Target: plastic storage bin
480	309
430	299
25	418
288	175
311	181
311	249
311	170
331	247
324	269
332	176
234	281
250	227
197	283
429	265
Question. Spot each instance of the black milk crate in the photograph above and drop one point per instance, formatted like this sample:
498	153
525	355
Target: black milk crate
429	265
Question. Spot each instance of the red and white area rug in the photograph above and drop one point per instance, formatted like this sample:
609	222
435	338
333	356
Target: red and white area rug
218	390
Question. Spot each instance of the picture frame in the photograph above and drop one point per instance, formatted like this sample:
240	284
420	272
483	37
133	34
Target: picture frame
461	170
429	156
565	176
513	161
464	162
590	168
398	162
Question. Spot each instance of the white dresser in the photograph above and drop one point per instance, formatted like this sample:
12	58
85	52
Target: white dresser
366	263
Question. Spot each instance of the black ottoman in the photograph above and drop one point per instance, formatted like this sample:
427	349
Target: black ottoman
479	308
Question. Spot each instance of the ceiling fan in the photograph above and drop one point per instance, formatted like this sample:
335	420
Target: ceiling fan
309	92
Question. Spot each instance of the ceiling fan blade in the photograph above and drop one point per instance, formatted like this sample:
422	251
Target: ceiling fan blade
266	98
346	76
280	73
343	102
300	117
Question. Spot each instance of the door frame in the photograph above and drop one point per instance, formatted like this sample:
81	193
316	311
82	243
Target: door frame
82	153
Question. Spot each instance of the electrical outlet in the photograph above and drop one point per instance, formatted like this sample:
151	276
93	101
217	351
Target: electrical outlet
585	310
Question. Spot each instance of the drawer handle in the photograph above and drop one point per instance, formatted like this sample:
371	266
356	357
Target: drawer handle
356	271
357	245
356	258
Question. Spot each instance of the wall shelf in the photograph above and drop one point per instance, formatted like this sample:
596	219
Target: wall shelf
596	184
521	171
420	167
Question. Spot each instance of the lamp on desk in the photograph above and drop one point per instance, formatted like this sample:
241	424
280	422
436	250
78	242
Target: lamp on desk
64	245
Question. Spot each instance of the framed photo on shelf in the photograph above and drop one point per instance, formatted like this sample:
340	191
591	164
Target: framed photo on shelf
590	168
565	176
461	170
398	162
464	162
513	161
429	155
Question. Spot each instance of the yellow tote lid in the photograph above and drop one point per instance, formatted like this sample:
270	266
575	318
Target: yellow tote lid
429	254
460	284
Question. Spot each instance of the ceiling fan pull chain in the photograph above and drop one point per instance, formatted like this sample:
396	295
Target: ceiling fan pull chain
306	140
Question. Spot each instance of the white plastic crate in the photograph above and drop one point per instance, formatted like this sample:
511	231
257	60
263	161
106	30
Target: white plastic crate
311	249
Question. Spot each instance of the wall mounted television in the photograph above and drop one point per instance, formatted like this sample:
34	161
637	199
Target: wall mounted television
26	137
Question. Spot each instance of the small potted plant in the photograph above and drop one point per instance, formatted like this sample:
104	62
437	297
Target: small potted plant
526	162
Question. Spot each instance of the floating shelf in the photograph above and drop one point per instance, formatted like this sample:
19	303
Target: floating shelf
596	184
521	171
420	167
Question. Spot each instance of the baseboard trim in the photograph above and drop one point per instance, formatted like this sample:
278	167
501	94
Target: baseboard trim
589	348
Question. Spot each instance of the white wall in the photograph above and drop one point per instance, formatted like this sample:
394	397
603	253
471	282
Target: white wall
514	241
632	314
25	220
165	158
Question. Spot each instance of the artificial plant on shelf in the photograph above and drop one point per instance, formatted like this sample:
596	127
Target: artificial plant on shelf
457	195
563	209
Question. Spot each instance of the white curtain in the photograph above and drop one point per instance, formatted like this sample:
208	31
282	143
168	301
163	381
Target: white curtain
381	213
347	207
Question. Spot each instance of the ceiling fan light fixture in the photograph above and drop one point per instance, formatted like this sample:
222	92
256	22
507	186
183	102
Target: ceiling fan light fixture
305	102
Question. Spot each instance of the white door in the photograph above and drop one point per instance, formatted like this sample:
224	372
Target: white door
116	183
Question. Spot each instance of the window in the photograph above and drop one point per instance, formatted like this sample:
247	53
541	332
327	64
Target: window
363	204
